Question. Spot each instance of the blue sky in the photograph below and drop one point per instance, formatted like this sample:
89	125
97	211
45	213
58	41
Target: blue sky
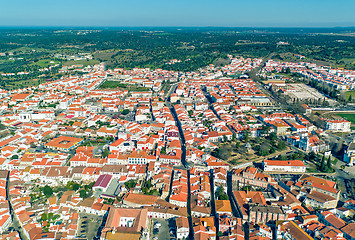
228	13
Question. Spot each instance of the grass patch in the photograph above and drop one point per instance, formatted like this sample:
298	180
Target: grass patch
348	116
81	62
311	170
349	93
113	85
45	63
105	56
123	86
22	84
348	60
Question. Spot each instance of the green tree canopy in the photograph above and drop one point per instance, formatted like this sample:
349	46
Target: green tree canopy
220	194
47	191
125	111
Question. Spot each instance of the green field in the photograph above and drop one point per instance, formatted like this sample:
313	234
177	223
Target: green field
11	85
45	63
123	86
113	85
348	60
348	116
348	94
81	62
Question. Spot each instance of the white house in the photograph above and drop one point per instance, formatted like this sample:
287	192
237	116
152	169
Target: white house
284	166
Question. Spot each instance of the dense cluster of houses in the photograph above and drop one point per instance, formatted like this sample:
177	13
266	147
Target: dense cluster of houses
337	78
128	168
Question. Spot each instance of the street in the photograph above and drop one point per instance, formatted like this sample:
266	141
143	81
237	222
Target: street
183	159
15	222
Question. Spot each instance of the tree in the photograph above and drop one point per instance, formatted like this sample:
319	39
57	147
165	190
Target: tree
125	111
329	163
163	150
130	184
220	194
105	153
223	152
246	135
246	188
233	137
263	152
83	194
89	186
44	217
110	138
273	136
281	145
70	185
311	156
47	191
149	184
76	186
322	165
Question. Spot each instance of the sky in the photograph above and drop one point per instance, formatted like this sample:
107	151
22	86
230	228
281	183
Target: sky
188	13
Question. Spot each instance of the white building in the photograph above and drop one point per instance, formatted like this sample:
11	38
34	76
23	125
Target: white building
182	228
339	125
349	154
284	166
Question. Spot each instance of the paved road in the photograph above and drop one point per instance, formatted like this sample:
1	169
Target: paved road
213	203
16	223
234	205
260	159
183	159
343	178
254	71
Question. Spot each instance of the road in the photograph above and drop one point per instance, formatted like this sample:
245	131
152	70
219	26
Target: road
171	185
213	203
234	205
210	106
15	222
183	158
253	72
171	90
260	159
343	178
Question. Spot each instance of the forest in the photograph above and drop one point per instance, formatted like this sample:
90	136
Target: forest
31	49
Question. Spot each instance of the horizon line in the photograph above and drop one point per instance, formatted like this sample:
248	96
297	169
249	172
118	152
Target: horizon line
91	26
